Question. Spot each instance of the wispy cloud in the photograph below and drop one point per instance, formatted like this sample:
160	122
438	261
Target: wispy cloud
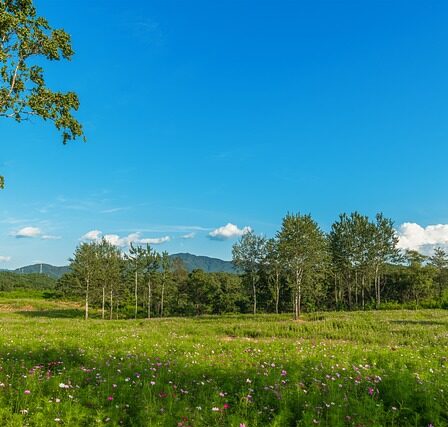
424	239
155	240
147	31
188	236
4	258
124	241
157	228
113	210
27	232
50	237
33	233
228	231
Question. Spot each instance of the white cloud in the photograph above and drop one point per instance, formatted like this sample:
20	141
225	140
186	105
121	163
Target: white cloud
228	231
188	236
92	235
5	258
27	232
155	240
50	237
116	240
424	239
123	241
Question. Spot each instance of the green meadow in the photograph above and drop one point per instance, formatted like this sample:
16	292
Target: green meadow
373	368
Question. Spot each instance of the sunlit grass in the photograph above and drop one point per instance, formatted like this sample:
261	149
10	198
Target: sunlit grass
334	369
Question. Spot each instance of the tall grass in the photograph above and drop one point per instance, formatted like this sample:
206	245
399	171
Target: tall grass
385	368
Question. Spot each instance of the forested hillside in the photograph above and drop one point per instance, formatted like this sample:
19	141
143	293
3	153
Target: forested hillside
10	281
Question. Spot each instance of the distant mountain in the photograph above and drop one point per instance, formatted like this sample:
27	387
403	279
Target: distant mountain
209	265
191	262
47	269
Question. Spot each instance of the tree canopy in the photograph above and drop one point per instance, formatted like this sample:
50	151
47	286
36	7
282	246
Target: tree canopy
25	40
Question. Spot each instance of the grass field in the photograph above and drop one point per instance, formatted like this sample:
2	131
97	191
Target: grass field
386	368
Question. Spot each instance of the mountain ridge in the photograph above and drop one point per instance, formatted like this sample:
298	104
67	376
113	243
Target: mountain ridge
191	262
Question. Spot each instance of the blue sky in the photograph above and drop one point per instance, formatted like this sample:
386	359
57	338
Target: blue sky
199	114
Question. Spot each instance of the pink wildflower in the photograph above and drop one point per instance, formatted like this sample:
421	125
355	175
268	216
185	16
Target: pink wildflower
27	392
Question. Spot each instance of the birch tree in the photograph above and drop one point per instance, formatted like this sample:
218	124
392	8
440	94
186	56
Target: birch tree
135	258
303	248
248	255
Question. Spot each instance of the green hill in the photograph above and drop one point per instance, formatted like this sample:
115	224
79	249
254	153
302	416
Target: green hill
45	269
192	262
210	265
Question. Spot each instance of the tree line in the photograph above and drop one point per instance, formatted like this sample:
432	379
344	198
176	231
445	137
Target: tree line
144	283
357	265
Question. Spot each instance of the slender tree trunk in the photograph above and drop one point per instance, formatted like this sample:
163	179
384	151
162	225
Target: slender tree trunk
356	289
254	288
349	291
162	297
103	303
277	291
379	290
87	297
362	292
111	305
336	290
149	297
296	305
136	293
298	295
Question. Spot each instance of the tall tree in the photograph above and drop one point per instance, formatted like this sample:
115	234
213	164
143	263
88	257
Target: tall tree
136	257
341	244
439	261
108	271
385	250
273	267
27	39
248	255
165	264
84	265
151	263
420	277
303	248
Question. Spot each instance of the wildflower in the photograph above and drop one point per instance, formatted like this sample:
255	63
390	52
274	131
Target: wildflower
62	385
284	373
58	420
24	411
110	398
153	383
242	425
57	400
215	409
371	391
27	392
226	406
